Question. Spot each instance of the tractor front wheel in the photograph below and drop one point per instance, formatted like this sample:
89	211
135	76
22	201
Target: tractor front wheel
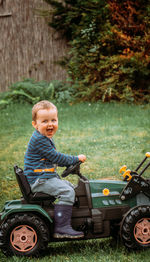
135	228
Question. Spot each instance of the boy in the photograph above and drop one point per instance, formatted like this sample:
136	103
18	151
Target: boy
40	163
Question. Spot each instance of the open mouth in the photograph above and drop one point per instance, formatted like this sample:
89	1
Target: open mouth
49	130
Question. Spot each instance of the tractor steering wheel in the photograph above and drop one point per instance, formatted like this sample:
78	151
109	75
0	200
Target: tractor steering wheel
73	169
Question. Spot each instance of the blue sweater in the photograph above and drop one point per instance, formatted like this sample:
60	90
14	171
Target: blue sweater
41	158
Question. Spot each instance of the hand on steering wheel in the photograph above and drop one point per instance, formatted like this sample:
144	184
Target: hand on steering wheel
73	169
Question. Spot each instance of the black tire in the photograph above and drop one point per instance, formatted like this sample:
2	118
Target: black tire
135	228
23	235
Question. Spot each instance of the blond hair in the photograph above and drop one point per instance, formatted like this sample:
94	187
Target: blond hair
44	104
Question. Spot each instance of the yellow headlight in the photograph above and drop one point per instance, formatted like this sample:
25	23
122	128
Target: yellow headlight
127	175
123	169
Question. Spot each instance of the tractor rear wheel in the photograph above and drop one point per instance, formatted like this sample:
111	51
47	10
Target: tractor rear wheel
23	235
135	228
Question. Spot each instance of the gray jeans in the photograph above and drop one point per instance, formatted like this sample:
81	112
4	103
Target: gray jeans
61	189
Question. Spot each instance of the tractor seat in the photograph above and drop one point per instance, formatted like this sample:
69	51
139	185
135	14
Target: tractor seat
24	185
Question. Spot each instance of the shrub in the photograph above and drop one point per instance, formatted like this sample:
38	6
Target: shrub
30	91
109	42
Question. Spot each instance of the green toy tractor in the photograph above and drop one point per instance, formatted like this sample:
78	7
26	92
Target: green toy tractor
102	208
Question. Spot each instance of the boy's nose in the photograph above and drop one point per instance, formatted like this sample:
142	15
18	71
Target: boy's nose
49	123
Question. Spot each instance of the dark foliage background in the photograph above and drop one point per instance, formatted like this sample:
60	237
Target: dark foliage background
109	41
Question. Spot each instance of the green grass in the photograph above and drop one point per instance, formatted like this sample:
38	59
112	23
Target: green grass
110	135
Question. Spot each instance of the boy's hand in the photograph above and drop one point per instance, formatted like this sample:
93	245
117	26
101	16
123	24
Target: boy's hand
82	158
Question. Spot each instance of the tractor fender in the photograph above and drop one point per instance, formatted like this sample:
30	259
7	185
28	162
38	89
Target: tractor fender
18	207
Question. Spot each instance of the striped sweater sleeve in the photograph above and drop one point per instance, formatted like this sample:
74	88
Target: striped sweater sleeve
46	149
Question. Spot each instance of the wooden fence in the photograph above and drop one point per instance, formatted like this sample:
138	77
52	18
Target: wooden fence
29	48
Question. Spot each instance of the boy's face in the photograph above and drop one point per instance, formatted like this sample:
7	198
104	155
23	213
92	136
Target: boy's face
46	122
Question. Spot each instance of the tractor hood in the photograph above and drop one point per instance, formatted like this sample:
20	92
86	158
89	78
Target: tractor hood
106	193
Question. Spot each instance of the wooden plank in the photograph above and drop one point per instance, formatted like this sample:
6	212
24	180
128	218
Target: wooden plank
7	14
29	48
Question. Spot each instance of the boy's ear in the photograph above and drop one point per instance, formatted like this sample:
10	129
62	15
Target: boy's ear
34	124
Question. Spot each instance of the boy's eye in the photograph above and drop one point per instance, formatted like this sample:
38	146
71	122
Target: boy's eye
44	121
53	120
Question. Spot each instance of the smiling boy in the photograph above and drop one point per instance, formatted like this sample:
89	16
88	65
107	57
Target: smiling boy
40	163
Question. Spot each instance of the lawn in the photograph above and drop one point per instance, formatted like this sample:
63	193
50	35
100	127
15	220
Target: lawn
109	134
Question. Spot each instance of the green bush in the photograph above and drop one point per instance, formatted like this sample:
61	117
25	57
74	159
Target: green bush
109	56
30	91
